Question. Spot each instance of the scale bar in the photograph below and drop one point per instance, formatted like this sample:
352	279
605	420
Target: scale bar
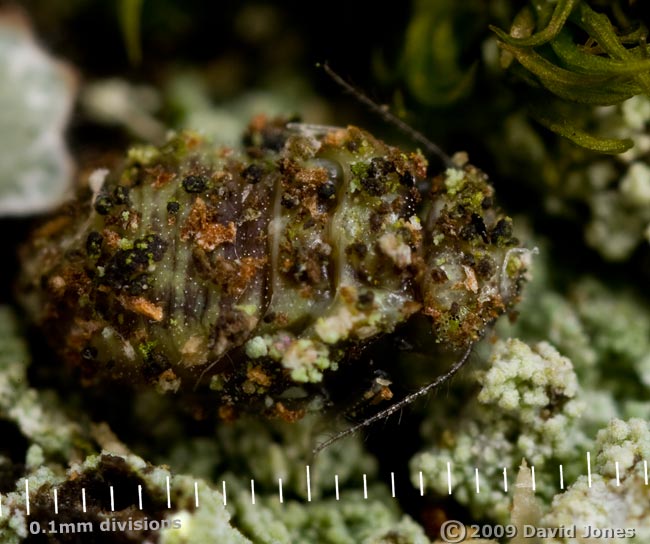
532	477
308	484
27	496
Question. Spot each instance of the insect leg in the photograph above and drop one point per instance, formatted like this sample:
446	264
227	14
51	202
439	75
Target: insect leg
400	404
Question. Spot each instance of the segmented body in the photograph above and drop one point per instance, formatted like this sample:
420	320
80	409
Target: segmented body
257	271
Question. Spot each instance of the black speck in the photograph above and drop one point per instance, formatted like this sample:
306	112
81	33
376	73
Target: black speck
485	268
253	174
352	145
103	204
121	194
153	245
468	259
488	202
480	228
502	230
438	275
358	248
380	166
289	202
407	179
195	184
139	285
365	300
374	181
155	363
326	190
94	244
89	353
173	207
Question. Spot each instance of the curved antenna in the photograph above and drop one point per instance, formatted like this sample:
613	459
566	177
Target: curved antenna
399	405
389	116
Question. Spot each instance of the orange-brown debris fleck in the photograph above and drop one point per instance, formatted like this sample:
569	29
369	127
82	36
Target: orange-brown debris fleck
160	176
258	376
168	380
142	306
227	413
285	414
206	233
336	137
56	285
111	238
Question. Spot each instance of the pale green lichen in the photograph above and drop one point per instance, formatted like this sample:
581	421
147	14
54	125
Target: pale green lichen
265	451
36	98
454	180
211	522
605	502
614	190
352	519
529	403
37	414
256	347
271	450
603	329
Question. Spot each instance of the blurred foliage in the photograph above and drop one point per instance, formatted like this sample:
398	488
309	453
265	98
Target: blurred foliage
581	56
435	43
130	13
584	53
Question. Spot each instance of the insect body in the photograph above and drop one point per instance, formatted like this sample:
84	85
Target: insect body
258	271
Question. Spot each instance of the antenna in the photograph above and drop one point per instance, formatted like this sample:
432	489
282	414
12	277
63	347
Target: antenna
400	404
388	116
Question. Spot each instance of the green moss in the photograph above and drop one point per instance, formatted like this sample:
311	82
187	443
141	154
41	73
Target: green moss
558	60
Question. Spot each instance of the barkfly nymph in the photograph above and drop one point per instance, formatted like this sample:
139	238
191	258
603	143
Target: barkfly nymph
254	275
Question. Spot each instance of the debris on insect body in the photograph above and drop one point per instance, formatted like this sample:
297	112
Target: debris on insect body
257	272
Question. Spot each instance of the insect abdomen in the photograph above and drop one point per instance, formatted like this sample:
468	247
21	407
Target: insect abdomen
254	271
